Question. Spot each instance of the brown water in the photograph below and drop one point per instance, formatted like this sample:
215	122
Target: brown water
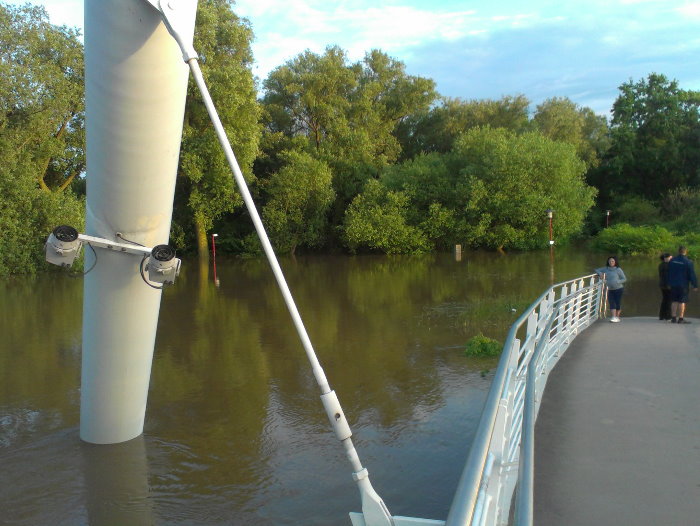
235	432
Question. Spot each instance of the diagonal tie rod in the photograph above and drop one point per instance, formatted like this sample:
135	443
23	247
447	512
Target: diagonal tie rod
178	17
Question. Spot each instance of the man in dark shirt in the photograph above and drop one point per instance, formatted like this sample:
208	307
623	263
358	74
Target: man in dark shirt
681	273
665	308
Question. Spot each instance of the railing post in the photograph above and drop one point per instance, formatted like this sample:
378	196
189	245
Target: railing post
591	312
486	487
577	306
600	290
532	330
571	304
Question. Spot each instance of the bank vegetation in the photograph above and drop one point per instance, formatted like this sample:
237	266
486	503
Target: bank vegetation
355	157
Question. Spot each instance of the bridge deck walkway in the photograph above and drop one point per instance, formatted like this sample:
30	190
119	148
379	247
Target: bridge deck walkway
618	433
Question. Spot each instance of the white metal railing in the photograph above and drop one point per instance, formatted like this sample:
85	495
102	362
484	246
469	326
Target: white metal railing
502	454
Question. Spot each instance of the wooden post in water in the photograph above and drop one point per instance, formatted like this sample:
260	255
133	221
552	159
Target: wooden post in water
458	252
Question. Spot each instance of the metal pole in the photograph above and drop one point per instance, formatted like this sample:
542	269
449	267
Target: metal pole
373	507
176	19
550	215
374	510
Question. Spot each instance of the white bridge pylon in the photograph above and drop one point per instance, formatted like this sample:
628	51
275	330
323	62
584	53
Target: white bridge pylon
135	88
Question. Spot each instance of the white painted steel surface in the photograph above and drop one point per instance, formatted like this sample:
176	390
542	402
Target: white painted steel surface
135	82
374	511
501	455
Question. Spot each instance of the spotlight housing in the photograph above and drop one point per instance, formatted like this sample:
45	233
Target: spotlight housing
63	246
163	266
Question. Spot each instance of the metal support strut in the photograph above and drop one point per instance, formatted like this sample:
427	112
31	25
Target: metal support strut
176	16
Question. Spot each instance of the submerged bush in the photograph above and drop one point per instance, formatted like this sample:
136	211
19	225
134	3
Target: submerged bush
481	345
635	240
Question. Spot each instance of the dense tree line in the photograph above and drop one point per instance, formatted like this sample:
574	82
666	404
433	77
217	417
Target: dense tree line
342	155
41	133
654	141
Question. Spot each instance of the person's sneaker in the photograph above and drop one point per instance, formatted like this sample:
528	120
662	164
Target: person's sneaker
614	319
681	320
673	320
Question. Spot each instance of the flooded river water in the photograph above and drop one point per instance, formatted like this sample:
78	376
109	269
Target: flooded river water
235	432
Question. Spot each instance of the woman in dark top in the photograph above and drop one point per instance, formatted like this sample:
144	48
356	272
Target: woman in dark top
665	309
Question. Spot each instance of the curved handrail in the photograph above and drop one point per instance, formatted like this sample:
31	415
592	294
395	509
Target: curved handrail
524	502
513	368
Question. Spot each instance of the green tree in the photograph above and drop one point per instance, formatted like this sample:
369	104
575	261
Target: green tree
492	190
635	240
682	207
437	129
310	96
347	113
41	95
436	192
655	141
301	194
206	189
376	220
41	133
511	181
561	119
386	97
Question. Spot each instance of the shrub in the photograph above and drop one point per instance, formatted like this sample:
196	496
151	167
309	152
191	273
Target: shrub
692	243
27	217
376	221
481	345
688	223
681	208
636	211
635	240
681	201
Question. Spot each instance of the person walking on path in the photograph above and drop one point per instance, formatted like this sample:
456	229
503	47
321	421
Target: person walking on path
665	308
615	278
681	274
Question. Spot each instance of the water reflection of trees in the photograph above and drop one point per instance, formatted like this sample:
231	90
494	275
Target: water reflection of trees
367	353
231	387
209	391
375	323
40	321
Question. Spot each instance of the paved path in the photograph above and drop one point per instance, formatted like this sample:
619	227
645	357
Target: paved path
618	433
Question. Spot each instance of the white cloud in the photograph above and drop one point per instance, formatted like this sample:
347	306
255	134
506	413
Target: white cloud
395	27
481	48
689	10
391	27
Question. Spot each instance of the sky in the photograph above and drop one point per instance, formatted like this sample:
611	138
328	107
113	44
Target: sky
483	49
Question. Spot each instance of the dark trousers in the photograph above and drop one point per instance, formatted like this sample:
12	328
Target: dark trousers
665	309
615	298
